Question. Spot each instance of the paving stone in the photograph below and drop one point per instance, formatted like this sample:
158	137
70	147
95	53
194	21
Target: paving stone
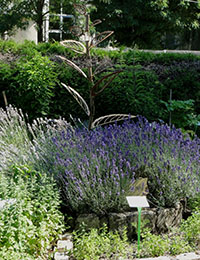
61	256
64	245
188	256
155	258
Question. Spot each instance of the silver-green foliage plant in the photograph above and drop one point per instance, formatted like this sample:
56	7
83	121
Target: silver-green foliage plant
15	143
95	87
97	244
30	225
24	143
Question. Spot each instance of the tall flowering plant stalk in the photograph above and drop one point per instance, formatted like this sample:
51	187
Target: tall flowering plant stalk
95	87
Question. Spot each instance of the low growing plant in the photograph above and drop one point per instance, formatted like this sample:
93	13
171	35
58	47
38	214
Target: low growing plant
191	228
29	227
164	244
97	244
193	202
14	138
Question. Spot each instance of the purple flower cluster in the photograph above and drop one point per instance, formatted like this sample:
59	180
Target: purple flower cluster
96	169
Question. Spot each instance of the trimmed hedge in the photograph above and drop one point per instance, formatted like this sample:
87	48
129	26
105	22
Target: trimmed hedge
146	80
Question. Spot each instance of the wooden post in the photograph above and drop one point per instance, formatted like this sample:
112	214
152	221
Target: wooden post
5	99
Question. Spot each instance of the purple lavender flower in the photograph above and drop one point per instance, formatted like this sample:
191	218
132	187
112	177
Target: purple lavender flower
106	161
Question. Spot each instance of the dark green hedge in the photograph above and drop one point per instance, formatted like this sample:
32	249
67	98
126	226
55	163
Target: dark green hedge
31	75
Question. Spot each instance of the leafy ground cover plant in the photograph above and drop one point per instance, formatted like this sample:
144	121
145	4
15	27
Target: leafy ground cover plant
184	239
30	225
97	169
97	244
191	228
164	244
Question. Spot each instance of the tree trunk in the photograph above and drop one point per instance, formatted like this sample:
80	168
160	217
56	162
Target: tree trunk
40	29
39	21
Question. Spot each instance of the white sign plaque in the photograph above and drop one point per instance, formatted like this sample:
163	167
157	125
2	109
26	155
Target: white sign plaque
137	201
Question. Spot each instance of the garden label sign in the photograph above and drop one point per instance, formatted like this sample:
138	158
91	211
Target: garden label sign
138	202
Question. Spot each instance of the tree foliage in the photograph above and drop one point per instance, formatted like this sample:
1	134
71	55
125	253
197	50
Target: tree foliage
11	16
143	22
17	13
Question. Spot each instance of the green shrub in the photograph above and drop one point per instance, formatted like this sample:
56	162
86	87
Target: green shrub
134	91
147	78
30	225
33	85
8	46
182	113
22	143
184	239
153	245
94	245
6	75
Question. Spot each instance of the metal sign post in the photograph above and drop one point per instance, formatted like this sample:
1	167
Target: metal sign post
138	202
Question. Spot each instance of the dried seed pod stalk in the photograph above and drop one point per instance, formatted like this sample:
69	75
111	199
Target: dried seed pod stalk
95	87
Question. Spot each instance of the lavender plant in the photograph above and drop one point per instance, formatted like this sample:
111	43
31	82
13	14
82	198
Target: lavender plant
97	169
22	143
14	140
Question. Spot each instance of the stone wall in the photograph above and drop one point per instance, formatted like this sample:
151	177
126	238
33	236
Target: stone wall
160	220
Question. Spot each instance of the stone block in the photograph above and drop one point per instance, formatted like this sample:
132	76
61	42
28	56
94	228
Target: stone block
61	256
64	245
66	236
168	218
119	221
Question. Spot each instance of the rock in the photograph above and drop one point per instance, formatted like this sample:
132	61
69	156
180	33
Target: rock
148	219
66	236
186	256
155	258
89	220
158	220
120	221
168	218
